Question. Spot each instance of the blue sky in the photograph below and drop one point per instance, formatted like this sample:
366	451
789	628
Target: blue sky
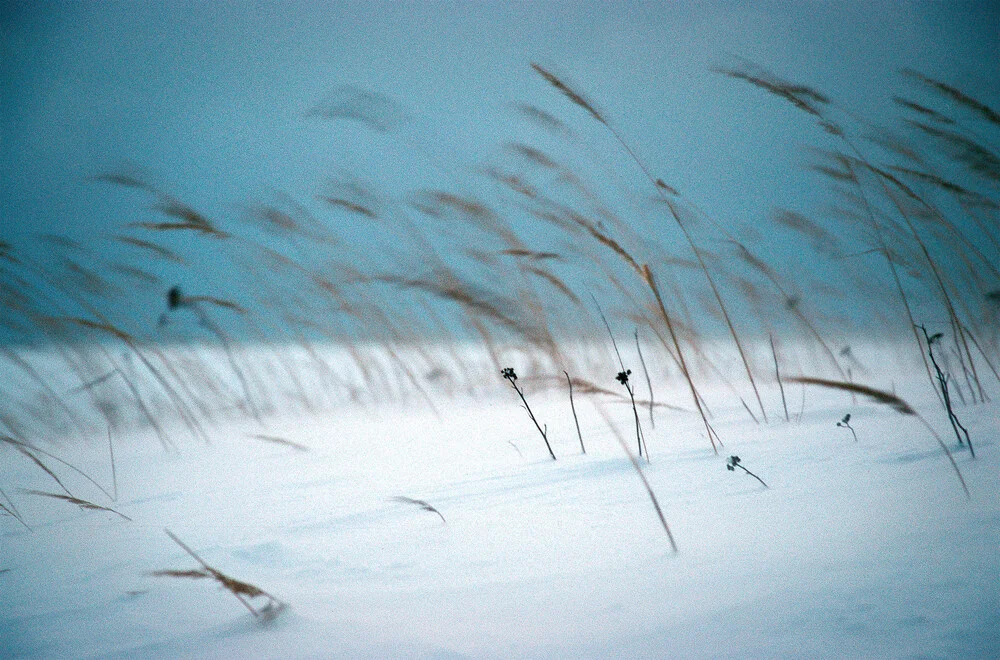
210	101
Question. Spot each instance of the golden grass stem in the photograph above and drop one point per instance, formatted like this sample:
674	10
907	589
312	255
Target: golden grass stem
642	476
696	397
579	100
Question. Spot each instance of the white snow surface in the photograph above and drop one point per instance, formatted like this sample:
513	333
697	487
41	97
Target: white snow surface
856	549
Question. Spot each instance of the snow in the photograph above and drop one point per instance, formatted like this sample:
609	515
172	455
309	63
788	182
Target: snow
856	549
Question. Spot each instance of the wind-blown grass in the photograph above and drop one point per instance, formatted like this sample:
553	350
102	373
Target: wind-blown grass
243	591
894	402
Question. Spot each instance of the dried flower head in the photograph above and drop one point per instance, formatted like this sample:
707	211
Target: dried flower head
174	298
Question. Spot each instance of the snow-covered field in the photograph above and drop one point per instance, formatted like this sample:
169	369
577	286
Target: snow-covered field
856	549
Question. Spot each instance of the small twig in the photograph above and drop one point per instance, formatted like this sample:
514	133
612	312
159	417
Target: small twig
622	378
946	393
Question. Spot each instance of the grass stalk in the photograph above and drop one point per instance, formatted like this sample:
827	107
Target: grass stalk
569	381
420	503
83	504
12	510
695	396
114	471
243	591
579	100
649	383
897	404
642	476
777	375
622	378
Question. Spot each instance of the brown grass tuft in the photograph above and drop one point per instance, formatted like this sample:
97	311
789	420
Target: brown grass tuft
243	591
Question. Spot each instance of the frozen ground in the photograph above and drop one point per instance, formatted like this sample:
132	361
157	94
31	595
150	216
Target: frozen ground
857	549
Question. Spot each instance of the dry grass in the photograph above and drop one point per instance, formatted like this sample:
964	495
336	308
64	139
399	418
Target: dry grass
502	259
420	503
642	477
83	504
894	402
280	441
243	591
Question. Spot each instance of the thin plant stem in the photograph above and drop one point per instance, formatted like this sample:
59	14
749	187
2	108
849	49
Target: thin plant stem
520	393
945	392
642	476
649	383
572	406
623	378
651	281
777	375
751	474
635	412
114	472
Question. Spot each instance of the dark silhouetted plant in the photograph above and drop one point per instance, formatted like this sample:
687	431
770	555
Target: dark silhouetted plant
734	462
845	423
942	379
622	378
508	374
623	375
